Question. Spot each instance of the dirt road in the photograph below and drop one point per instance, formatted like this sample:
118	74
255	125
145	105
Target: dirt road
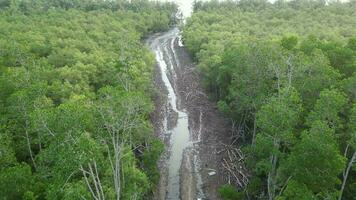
188	123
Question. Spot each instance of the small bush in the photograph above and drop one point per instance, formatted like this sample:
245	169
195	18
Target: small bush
228	192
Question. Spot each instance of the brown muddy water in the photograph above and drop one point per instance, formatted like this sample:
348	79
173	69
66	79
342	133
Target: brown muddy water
188	123
182	158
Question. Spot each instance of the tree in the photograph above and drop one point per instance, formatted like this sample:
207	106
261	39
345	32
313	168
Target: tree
5	4
246	80
315	161
289	42
122	116
228	192
341	58
7	153
347	86
312	74
276	122
16	181
76	190
57	58
328	108
296	191
352	145
249	53
20	106
352	43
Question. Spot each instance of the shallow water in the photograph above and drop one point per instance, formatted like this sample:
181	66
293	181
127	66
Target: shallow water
179	135
164	48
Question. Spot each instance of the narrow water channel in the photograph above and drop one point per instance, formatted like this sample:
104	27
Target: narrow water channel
181	149
180	133
163	47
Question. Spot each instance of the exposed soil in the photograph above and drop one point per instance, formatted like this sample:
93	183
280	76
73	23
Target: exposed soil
160	99
208	131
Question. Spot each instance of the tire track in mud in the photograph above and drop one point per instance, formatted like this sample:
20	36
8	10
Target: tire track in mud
187	111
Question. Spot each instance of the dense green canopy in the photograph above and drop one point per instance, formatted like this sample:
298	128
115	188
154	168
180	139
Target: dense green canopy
285	72
75	81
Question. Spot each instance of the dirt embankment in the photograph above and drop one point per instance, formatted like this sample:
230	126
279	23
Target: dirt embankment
209	130
160	101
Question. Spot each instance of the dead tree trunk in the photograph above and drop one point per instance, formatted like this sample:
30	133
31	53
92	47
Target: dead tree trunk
271	180
254	130
91	178
346	174
28	141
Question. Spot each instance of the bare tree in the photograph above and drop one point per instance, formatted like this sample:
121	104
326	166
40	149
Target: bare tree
119	125
91	177
345	174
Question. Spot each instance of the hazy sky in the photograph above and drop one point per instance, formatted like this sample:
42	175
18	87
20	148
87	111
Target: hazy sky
186	6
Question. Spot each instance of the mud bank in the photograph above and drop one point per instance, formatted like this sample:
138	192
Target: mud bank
207	129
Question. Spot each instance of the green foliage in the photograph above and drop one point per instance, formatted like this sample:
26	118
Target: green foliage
150	159
352	43
7	153
289	43
136	182
276	121
285	72
352	126
76	190
5	4
74	76
347	86
16	182
259	155
279	117
255	186
296	191
328	108
246	81
228	192
316	161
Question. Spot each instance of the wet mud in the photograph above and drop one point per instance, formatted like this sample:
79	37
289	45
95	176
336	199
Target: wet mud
189	124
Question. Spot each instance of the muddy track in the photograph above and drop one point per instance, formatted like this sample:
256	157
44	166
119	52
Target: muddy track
207	129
